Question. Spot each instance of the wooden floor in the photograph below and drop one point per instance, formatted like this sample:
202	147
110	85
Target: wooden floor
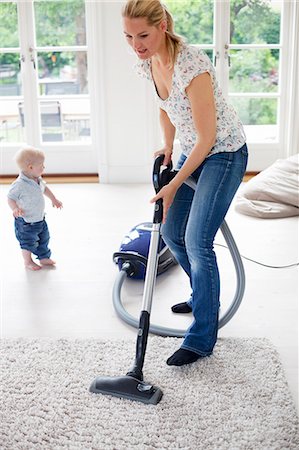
81	178
249	175
58	179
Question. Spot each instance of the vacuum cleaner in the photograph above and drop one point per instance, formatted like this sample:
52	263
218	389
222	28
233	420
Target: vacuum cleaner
132	261
134	249
132	386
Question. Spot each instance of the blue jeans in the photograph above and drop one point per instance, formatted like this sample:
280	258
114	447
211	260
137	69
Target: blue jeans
192	223
33	237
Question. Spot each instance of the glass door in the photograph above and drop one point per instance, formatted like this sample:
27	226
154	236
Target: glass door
194	20
11	85
60	53
255	57
44	83
248	46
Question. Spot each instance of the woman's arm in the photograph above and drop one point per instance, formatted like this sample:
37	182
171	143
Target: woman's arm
201	96
168	131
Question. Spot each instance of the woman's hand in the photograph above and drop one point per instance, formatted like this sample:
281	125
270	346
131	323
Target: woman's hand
167	152
167	194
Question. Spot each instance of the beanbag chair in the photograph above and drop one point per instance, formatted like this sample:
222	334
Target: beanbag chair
272	193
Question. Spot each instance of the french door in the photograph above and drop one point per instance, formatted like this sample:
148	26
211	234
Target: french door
60	79
44	83
248	42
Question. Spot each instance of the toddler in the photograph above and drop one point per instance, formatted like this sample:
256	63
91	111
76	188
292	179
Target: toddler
26	199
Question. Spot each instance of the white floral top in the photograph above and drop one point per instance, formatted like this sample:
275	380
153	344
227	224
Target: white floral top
191	61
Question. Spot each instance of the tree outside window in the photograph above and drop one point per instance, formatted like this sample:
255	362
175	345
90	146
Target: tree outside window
252	70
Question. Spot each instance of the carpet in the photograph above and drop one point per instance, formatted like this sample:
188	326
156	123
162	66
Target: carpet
237	399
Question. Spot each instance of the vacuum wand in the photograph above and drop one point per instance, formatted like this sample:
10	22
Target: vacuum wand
144	321
150	276
151	272
131	386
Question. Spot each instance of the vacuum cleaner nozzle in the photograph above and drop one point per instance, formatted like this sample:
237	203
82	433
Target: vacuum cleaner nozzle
127	387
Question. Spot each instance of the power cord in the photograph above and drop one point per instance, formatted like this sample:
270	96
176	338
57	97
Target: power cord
261	264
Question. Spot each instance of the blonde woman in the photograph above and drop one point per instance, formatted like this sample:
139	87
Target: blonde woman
214	153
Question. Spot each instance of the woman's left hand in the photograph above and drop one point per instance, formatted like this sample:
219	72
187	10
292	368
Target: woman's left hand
167	193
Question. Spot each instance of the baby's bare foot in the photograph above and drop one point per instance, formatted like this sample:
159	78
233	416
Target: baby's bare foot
32	266
47	262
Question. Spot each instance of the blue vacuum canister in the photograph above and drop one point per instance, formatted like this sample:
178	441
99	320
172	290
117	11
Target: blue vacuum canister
134	250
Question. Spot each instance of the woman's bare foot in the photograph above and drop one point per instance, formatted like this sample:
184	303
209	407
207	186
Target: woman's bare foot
29	264
47	262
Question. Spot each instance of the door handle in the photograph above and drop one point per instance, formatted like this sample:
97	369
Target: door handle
33	62
32	59
227	56
21	60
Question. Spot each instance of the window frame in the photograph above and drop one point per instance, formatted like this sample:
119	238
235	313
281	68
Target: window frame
73	156
262	154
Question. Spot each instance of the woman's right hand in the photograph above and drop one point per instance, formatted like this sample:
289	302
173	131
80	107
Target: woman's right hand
167	152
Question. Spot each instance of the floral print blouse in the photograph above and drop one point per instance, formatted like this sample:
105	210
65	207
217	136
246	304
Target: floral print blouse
192	61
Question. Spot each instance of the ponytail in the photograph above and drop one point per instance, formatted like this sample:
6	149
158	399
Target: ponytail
173	40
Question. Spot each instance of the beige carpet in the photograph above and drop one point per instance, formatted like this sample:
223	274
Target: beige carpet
236	399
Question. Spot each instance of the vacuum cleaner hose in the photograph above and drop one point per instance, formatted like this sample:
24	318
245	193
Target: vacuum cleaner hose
164	331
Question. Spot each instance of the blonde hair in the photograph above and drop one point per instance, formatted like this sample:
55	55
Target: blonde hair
154	12
28	155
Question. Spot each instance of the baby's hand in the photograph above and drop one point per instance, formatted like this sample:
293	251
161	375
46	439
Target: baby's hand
18	212
57	203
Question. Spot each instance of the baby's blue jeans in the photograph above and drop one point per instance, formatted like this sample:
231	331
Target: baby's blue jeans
192	223
33	237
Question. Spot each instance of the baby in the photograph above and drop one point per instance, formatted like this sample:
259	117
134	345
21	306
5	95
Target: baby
26	199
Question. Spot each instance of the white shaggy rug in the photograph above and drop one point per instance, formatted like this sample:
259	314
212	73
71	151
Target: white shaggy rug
236	399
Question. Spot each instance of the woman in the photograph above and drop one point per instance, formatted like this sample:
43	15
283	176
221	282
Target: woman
214	153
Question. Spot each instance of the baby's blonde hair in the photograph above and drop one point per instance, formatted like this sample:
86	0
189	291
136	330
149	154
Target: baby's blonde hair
154	12
28	155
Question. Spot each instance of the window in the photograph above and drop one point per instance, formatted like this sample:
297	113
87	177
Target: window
247	42
44	82
53	57
254	76
61	54
11	85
